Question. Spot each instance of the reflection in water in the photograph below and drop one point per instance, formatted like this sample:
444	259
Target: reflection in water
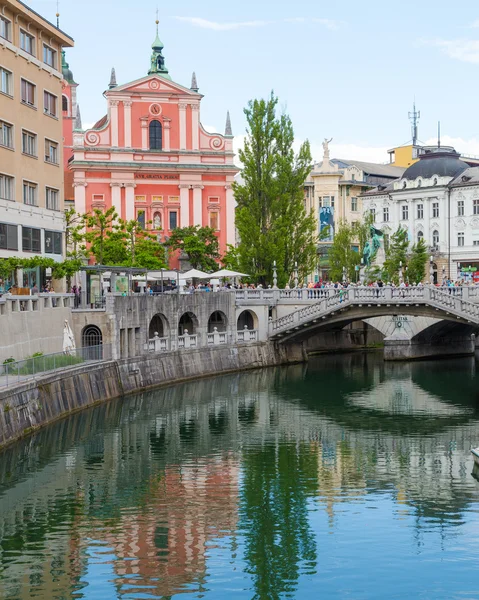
344	477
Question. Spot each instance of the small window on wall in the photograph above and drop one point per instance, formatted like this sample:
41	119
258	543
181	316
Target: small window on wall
64	103
157	199
157	221
173	220
213	199
53	242
173	199
214	220
140	198
420	235
141	218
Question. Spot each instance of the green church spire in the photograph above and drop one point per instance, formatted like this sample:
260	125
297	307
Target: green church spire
157	58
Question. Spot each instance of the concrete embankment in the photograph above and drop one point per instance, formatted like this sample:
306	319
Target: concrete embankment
32	405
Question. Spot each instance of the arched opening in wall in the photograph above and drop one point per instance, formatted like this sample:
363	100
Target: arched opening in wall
159	325
156	135
188	322
247	319
218	319
92	343
65	104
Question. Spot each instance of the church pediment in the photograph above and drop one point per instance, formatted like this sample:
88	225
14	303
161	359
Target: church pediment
153	84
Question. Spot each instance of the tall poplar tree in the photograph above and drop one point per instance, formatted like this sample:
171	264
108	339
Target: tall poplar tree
271	218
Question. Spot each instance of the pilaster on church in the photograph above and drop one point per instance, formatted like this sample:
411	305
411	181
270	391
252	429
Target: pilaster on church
152	160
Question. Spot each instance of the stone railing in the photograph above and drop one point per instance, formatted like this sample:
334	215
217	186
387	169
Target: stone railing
247	335
17	304
216	338
453	300
187	341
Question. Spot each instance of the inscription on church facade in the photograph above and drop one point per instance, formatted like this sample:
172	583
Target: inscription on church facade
158	176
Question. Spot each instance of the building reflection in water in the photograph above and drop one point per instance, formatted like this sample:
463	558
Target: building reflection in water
233	467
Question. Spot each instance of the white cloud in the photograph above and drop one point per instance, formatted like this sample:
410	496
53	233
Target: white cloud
88	125
463	50
217	26
376	154
210	129
475	24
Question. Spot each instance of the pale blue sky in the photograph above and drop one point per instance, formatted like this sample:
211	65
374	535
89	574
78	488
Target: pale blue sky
347	70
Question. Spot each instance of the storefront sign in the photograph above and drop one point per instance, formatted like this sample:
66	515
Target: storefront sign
157	176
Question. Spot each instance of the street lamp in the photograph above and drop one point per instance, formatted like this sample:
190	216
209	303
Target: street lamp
344	275
400	272
443	273
295	274
431	270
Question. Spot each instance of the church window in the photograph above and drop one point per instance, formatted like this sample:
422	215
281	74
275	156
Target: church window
214	220
156	136
141	218
173	220
65	103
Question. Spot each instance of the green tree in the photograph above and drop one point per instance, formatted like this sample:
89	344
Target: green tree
341	254
270	217
397	253
99	227
200	245
417	262
231	258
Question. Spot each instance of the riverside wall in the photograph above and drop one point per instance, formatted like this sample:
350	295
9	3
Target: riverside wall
32	405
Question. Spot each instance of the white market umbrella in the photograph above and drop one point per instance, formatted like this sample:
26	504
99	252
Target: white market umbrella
228	273
194	274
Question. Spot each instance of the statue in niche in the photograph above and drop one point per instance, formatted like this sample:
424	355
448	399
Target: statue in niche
326	143
157	222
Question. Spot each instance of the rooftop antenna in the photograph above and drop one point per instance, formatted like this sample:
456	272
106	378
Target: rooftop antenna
414	117
58	14
439	134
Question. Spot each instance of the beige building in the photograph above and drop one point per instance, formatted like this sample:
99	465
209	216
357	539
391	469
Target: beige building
31	152
333	194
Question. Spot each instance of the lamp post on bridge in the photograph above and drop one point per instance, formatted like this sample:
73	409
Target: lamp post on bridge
295	274
344	275
275	276
443	273
431	270
400	273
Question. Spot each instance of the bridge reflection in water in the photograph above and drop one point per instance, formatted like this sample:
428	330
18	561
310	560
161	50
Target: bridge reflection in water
230	486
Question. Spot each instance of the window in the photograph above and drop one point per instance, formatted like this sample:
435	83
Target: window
213	199
29	143
141	218
7	187
353	177
157	199
372	212
475	206
405	212
29	193
50	104
420	211
53	242
156	136
354	205
173	199
52	199
140	198
386	214
435	210
27	42
8	237
5	29
6	81
173	220
28	92
460	208
475	243
64	103
214	220
460	239
31	240
420	235
326	201
435	238
51	152
49	56
6	134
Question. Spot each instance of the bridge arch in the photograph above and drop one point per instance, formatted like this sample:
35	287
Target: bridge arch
188	322
217	320
247	319
158	324
92	342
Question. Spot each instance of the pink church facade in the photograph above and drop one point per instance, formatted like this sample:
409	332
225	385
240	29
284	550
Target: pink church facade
151	158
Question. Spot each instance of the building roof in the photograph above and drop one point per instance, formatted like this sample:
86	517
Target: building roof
371	168
440	162
468	177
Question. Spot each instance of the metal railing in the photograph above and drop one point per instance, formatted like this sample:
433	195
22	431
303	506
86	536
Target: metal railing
12	373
